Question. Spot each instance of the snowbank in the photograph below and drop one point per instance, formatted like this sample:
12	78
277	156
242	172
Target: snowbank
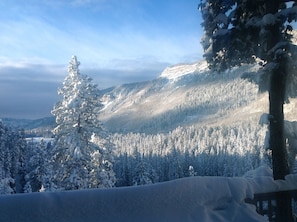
188	199
262	181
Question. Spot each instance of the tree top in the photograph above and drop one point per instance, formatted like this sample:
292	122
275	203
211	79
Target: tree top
73	66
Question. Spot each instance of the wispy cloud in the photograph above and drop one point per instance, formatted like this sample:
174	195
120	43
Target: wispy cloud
33	36
116	41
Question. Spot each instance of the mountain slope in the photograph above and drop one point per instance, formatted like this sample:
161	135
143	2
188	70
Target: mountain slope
28	123
183	95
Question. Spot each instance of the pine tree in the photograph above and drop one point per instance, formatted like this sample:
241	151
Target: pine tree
237	32
12	159
18	160
74	153
35	166
102	175
6	181
144	174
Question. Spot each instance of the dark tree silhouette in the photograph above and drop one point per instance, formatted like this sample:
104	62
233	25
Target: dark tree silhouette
241	31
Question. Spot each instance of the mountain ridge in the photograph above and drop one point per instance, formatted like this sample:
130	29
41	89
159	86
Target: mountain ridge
182	95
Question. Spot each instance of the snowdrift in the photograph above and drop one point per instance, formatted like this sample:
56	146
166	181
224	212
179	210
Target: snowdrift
188	199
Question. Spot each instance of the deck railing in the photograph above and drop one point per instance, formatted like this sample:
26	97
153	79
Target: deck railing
266	203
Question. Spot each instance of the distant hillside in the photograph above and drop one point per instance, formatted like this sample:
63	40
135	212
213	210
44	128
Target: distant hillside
29	123
183	95
36	127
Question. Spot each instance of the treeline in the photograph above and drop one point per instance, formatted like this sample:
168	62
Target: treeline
196	150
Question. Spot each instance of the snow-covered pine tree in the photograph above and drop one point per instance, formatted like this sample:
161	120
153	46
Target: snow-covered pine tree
12	160
77	123
35	166
239	32
102	176
7	183
144	173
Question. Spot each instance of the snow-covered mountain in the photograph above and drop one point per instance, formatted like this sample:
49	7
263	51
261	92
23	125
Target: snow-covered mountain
185	95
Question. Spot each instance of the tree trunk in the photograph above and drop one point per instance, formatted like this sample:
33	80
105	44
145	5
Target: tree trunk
277	93
277	141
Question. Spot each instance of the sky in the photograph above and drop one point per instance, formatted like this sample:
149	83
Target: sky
116	41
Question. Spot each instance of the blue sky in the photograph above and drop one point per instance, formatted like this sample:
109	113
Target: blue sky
116	41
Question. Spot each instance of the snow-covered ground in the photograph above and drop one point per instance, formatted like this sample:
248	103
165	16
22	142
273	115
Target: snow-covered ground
188	199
